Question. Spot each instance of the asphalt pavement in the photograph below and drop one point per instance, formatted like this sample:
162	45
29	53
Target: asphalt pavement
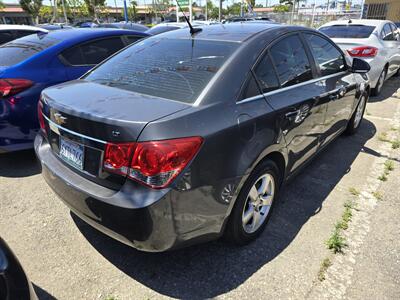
67	259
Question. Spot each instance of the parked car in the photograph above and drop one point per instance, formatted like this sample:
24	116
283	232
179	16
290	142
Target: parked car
14	284
12	32
51	27
123	25
181	138
32	63
375	41
169	26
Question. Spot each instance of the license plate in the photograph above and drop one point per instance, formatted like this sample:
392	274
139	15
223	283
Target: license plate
72	153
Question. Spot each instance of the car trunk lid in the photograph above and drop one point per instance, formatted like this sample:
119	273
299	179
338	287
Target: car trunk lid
105	113
82	117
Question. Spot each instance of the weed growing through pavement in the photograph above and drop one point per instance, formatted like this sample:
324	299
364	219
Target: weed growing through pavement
389	165
354	191
383	137
336	242
326	263
396	144
382	177
378	195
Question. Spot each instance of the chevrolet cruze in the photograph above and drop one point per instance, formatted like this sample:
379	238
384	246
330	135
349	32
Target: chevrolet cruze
182	138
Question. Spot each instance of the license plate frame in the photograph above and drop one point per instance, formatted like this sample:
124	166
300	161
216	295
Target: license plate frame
72	153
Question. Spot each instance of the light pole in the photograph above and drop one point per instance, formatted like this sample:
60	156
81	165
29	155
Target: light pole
125	12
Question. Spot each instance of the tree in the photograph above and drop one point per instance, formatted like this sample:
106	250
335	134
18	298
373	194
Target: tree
2	4
132	11
281	8
32	7
93	6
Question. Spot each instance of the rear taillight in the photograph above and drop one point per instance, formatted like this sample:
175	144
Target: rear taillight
117	157
40	116
363	51
155	164
10	87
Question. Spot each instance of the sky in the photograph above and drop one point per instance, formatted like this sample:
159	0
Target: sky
200	2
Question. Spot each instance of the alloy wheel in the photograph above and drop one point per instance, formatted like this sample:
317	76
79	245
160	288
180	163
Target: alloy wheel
258	203
359	112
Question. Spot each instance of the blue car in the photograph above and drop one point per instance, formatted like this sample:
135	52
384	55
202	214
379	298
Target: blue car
32	63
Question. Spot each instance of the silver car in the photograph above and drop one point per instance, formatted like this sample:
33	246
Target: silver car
375	41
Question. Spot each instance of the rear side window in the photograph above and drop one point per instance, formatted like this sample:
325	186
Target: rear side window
387	33
92	53
131	39
328	58
266	76
6	36
291	61
348	31
176	69
24	48
22	33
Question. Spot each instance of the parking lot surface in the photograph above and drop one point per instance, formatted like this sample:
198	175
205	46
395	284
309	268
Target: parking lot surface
67	259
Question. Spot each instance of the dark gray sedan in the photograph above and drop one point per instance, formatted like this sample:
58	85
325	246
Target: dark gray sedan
182	138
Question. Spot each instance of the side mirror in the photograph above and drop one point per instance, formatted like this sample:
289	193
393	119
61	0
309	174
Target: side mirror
360	66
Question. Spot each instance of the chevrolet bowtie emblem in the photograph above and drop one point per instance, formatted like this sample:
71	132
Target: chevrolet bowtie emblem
60	119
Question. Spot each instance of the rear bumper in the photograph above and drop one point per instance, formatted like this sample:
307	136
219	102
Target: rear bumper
146	219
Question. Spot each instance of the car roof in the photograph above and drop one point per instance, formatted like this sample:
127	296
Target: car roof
78	34
369	22
21	27
232	32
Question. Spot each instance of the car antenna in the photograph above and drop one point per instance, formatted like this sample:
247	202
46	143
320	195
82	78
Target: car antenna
192	29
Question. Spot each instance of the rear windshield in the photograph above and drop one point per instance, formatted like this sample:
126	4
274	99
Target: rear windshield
21	49
348	31
176	69
161	29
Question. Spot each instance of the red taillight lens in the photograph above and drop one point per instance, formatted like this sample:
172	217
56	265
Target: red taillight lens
364	51
10	87
40	116
117	157
155	164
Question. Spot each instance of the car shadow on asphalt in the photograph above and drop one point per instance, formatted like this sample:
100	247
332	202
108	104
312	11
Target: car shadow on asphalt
211	269
19	164
42	294
390	87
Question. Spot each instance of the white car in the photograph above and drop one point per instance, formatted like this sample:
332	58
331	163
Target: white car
375	41
12	32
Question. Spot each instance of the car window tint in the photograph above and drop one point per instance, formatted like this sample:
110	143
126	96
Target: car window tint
328	58
131	39
348	31
176	69
266	75
6	36
23	48
291	61
73	56
251	88
22	33
92	53
97	51
387	33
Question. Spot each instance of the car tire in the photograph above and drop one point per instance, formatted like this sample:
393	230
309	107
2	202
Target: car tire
397	74
355	121
241	228
377	90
